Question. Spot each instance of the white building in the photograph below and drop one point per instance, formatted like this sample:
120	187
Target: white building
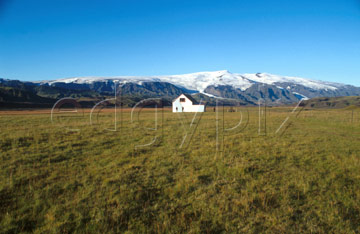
186	103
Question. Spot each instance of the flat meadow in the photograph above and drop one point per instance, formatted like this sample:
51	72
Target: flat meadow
237	170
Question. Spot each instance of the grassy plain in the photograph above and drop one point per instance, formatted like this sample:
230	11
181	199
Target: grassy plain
73	176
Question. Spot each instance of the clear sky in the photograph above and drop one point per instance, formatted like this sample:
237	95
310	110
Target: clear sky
50	39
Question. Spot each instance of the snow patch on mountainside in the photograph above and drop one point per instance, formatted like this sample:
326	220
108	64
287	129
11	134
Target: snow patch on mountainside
300	96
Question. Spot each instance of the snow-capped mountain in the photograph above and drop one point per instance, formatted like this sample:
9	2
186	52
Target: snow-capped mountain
246	88
201	80
213	84
194	81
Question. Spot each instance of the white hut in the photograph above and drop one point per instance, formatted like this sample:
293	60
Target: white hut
186	103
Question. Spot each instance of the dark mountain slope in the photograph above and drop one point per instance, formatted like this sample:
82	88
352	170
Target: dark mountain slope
334	102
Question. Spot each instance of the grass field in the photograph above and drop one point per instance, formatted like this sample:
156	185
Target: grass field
70	176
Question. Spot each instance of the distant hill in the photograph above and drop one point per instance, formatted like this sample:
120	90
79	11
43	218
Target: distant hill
352	102
17	94
20	97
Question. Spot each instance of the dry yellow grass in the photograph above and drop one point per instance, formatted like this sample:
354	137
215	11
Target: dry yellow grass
54	179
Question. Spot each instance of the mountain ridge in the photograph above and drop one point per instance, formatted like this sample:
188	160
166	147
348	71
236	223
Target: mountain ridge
204	79
249	88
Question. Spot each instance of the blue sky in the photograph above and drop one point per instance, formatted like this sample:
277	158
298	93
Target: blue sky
55	39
